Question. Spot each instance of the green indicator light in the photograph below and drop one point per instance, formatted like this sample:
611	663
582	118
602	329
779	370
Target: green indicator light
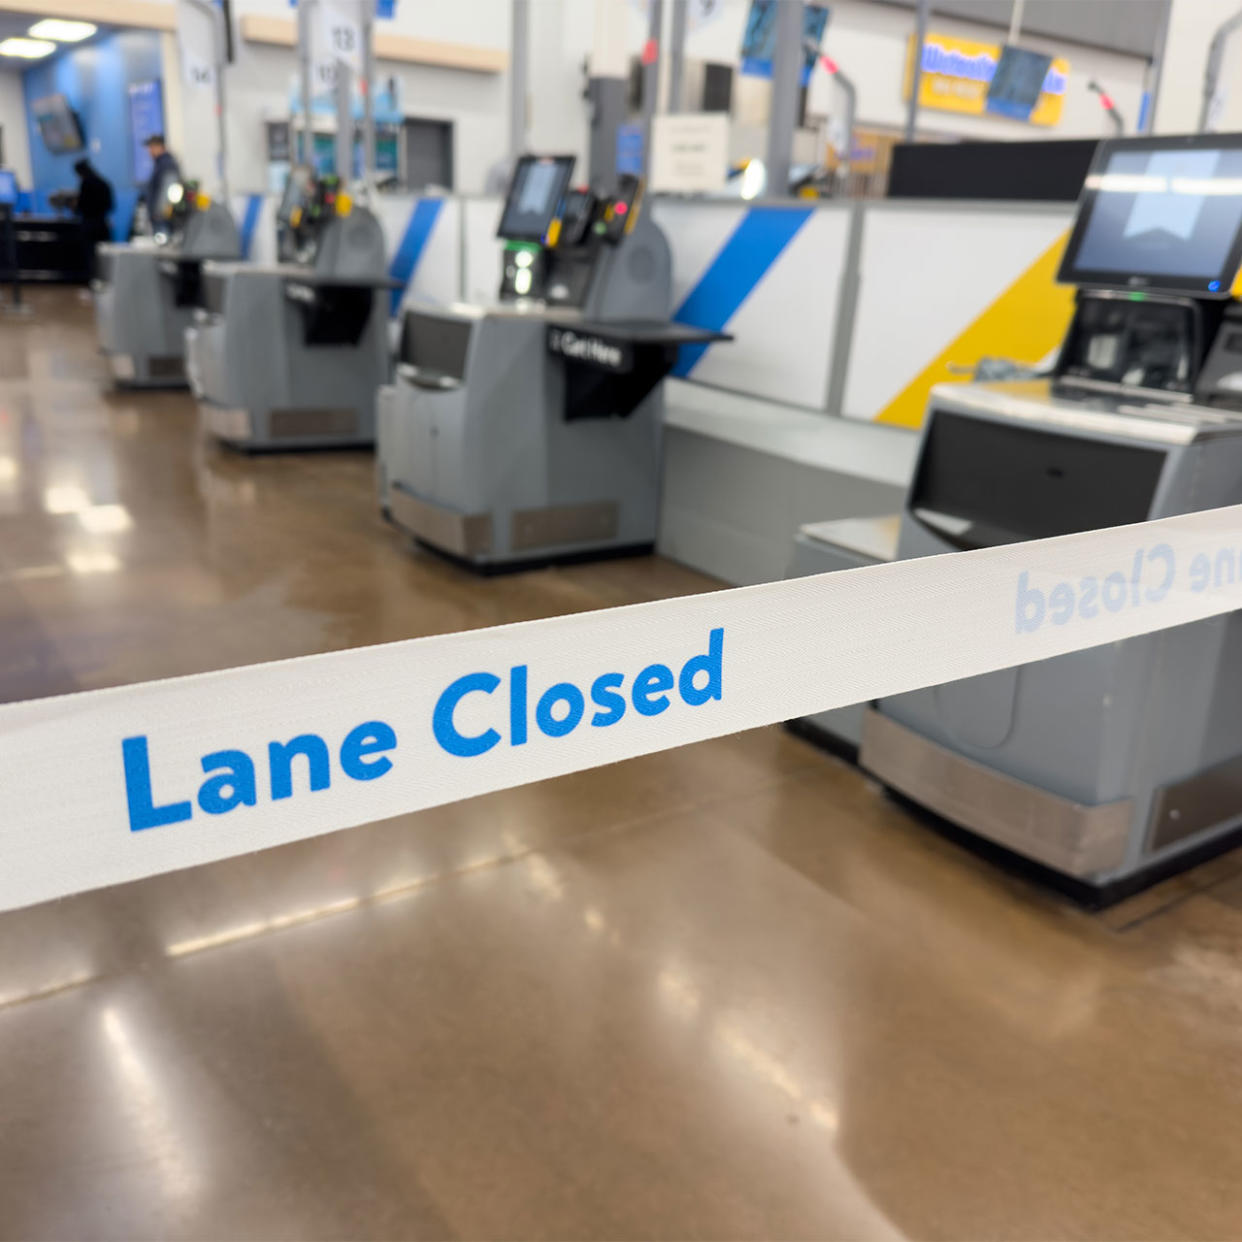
1138	297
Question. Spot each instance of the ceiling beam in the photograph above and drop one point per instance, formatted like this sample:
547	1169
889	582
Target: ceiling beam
145	14
282	32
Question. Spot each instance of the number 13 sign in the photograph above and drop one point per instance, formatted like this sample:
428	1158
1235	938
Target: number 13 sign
340	32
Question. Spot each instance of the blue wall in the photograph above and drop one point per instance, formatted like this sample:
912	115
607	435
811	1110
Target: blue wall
95	79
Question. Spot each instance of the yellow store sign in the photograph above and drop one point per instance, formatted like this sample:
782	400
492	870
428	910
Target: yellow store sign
957	74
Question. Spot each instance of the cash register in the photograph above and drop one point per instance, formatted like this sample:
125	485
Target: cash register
146	291
1108	768
289	355
529	431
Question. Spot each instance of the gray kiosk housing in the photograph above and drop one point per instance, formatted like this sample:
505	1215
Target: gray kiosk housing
1113	766
531	431
290	355
1106	762
145	294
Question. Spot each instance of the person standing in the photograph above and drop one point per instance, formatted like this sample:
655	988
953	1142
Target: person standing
164	168
94	205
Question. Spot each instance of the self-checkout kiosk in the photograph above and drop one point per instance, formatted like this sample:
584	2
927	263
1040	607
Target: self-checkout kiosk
1112	766
290	355
146	291
530	431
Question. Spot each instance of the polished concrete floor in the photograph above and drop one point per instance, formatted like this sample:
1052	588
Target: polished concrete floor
724	992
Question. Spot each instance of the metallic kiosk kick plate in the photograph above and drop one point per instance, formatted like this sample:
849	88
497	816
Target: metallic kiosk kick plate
1078	840
563	524
463	534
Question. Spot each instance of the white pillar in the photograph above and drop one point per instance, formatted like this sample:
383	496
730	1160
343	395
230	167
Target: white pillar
1192	23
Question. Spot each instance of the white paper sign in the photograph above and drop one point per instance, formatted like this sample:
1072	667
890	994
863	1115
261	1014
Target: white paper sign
196	37
689	152
197	73
340	33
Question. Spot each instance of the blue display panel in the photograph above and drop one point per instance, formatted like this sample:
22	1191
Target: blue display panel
1017	82
759	40
630	149
146	117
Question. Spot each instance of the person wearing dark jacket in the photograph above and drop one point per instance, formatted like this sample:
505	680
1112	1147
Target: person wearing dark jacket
164	168
93	207
94	203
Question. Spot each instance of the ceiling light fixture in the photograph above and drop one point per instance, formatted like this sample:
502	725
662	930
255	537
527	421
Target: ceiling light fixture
27	49
61	30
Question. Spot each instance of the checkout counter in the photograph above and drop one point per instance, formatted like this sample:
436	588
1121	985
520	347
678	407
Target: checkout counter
290	355
1111	767
146	290
530	431
51	249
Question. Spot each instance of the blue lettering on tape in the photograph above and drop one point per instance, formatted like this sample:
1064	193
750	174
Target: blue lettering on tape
1150	579
143	813
561	708
231	780
442	724
232	786
302	765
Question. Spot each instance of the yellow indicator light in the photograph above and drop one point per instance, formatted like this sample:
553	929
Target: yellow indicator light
344	204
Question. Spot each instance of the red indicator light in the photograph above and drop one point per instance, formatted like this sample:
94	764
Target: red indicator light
1107	101
828	63
621	208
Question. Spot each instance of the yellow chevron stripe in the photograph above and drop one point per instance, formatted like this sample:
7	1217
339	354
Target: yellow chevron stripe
1024	323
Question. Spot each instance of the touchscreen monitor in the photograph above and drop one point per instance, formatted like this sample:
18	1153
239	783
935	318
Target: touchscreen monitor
1160	213
535	193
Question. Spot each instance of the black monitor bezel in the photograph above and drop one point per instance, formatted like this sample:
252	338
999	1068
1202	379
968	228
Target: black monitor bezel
567	163
1197	286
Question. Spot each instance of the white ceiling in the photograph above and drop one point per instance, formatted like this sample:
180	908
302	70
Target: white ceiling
18	24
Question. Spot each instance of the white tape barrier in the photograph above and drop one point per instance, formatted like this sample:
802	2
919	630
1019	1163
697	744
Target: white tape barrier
112	785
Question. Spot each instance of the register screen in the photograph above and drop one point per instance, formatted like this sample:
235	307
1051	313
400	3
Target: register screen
1164	213
536	192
